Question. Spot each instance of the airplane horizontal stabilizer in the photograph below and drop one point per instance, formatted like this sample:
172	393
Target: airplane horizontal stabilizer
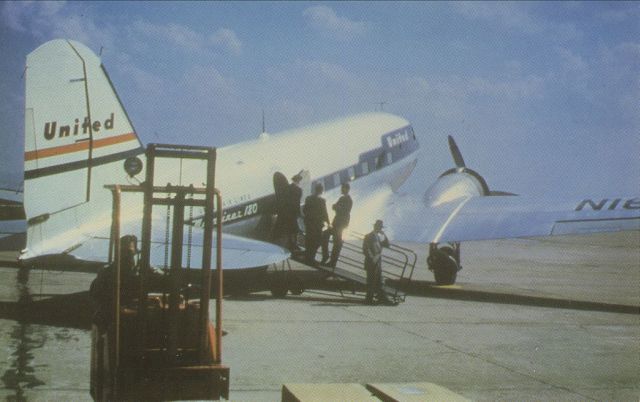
237	252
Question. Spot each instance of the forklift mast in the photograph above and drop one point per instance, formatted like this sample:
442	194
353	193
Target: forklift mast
163	345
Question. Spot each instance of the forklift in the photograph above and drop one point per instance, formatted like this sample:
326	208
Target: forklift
162	345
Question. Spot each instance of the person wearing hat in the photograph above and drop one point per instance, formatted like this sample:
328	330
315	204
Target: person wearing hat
291	229
315	216
341	220
102	290
372	249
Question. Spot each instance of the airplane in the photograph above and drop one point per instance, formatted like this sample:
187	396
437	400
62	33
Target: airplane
12	219
78	137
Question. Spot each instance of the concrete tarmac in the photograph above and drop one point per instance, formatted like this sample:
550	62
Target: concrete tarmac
553	319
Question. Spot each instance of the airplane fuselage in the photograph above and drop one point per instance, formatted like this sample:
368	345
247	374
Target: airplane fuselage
366	150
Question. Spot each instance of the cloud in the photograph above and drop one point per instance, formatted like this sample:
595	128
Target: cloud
149	85
30	16
187	39
174	34
619	12
454	98
315	75
463	88
510	15
517	16
325	20
226	39
328	72
48	20
571	61
620	64
208	81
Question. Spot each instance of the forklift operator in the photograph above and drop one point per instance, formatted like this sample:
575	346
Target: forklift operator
102	288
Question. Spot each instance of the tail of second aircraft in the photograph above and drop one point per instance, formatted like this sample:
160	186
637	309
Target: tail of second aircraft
77	135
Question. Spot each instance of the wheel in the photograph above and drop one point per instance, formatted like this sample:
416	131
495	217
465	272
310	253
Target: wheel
444	266
295	285
278	285
445	274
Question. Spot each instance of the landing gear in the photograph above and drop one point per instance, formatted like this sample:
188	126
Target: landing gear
283	280
444	262
278	286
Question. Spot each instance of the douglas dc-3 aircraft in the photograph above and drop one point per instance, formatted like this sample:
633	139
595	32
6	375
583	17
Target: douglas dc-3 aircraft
78	136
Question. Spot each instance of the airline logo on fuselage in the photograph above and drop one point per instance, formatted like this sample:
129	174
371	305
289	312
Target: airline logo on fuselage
51	129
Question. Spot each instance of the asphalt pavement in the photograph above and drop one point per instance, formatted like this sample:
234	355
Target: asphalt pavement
553	319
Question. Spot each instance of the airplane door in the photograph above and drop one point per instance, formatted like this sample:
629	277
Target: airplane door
280	184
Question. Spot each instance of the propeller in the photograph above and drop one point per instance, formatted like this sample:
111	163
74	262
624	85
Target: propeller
459	161
455	152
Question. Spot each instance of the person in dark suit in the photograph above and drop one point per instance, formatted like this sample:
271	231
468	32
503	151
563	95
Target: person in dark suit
315	216
291	229
372	249
342	210
102	290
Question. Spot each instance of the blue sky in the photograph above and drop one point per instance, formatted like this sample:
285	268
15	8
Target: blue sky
542	98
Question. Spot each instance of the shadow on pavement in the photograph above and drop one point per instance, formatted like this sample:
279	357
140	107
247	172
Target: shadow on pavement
430	289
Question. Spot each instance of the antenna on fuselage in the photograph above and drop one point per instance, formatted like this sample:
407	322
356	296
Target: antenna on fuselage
263	135
381	104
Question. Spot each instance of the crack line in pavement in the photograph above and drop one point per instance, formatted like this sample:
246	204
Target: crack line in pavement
474	355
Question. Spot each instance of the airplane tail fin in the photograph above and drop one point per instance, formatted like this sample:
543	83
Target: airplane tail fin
77	135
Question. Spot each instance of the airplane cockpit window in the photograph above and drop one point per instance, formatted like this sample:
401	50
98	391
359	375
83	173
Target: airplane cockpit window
336	179
328	182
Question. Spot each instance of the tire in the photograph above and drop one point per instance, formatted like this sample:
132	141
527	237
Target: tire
278	285
279	291
445	274
295	285
445	268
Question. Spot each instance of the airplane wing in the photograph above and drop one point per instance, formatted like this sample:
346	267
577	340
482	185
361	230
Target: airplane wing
459	206
237	252
415	219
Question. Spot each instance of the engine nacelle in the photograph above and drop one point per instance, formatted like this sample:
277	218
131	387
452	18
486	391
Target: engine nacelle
454	184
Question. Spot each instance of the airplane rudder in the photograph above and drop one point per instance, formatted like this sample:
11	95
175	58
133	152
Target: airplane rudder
75	125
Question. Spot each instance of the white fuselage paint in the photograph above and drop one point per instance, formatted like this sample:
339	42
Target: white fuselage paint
244	171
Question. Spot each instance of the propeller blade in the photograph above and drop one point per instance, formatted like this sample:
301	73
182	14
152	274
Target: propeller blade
501	193
455	152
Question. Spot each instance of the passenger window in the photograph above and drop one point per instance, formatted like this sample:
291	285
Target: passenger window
336	179
352	173
364	166
389	158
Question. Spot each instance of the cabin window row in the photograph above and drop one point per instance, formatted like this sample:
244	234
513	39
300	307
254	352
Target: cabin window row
351	173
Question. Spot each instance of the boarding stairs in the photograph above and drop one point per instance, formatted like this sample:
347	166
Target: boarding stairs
398	264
